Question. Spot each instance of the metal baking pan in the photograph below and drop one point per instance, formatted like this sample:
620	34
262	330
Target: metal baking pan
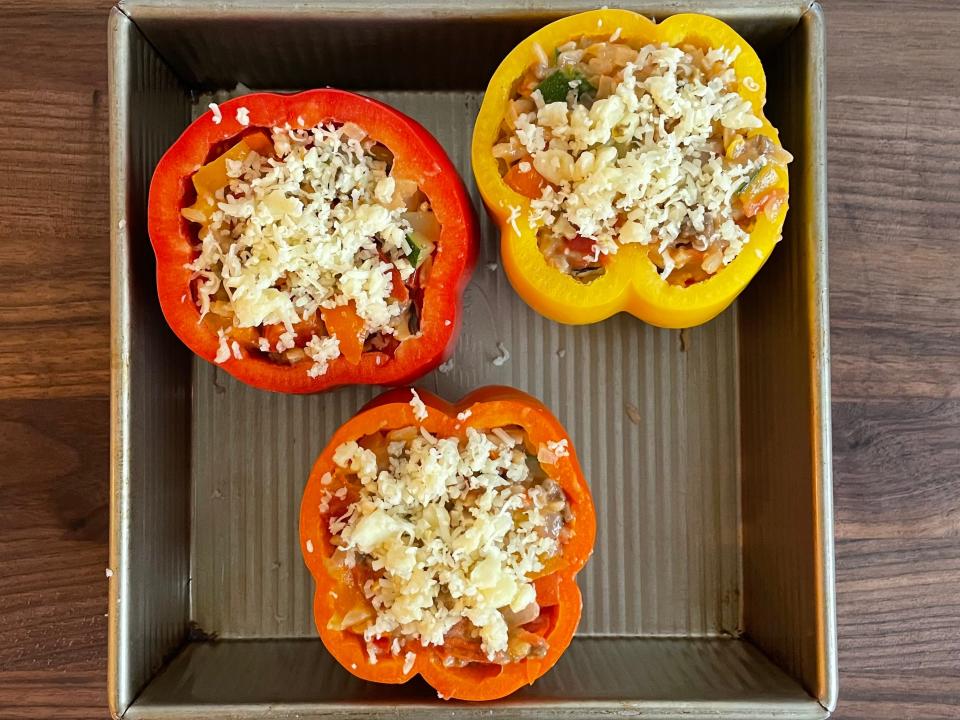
710	592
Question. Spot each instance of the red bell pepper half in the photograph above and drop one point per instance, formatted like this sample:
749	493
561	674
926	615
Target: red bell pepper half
417	157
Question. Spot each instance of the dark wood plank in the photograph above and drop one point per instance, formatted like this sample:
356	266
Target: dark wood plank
894	190
898	604
64	695
896	462
56	283
59	45
894	162
895	304
53	546
54	345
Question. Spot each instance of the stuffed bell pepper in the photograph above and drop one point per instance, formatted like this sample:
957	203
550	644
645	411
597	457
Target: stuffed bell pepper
445	541
312	240
630	167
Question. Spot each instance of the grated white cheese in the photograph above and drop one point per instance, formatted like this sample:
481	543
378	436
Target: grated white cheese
462	416
243	116
419	408
492	266
453	533
408	660
217	117
750	84
541	55
560	448
308	230
321	351
512	219
223	350
503	357
638	165
446	366
309	546
109	573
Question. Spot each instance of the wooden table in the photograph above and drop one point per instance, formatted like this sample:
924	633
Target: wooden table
894	146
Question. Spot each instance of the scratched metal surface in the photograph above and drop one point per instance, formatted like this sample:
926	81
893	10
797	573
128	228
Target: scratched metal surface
703	532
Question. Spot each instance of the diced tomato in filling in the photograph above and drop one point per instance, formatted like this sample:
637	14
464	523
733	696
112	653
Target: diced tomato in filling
581	253
399	289
527	181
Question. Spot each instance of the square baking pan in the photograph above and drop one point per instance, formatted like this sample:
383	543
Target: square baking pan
710	592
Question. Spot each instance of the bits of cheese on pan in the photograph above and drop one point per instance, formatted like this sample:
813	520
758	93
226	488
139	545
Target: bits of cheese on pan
454	530
419	408
553	450
223	347
644	152
312	228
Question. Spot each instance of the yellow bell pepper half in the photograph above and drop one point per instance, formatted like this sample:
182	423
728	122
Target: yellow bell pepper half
631	282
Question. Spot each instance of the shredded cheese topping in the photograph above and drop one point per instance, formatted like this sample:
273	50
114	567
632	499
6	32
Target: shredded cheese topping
646	151
419	408
454	529
316	227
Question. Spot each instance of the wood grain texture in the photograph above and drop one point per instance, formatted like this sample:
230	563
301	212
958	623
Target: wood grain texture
894	190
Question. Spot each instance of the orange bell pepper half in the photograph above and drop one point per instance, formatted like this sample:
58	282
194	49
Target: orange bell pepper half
631	282
187	169
339	591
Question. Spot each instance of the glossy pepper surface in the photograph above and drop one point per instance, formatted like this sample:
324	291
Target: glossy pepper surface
631	281
337	590
193	168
